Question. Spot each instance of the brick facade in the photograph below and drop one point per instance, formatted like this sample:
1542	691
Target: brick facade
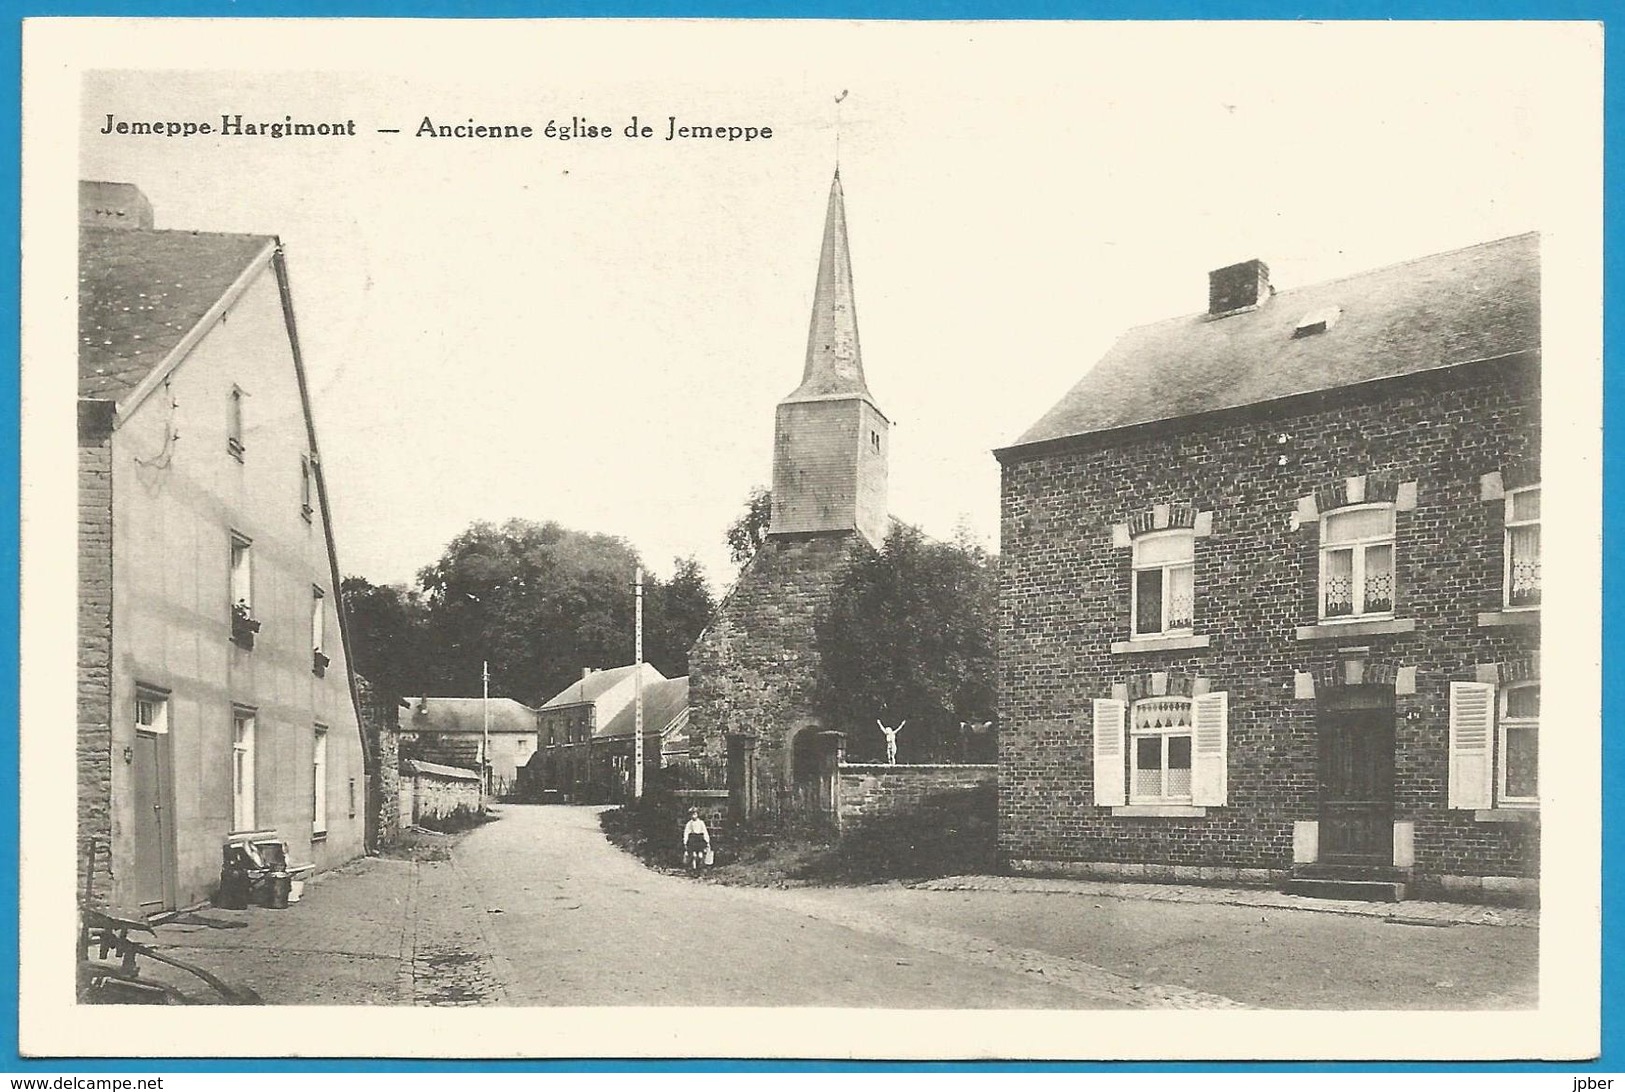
751	673
1065	601
94	756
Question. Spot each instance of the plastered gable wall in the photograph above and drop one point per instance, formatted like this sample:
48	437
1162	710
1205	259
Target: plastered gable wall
1064	599
176	504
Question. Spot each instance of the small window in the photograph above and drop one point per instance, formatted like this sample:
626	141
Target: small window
242	574
1357	562
352	798
307	486
874	440
1164	593
243	625
234	423
1523	547
318	777
151	712
242	770
318	630
1160	770
1518	745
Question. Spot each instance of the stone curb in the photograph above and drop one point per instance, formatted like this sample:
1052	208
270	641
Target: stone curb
1404	913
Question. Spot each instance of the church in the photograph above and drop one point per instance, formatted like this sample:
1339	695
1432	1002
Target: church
752	672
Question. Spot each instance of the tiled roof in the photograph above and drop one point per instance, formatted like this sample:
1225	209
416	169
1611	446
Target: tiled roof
466	715
593	686
140	292
663	702
1464	305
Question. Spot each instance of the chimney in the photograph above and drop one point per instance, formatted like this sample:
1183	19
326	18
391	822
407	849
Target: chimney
585	672
114	205
1245	284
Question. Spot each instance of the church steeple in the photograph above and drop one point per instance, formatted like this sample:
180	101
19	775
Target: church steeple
830	439
834	359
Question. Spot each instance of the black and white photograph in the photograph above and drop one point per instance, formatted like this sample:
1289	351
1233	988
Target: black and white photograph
788	539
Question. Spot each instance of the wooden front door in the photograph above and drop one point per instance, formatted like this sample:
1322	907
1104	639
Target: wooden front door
153	824
1357	786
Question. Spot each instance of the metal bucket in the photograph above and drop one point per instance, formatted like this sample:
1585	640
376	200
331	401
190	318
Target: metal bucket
277	887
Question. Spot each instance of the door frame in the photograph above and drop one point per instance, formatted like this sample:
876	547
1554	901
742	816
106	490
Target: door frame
1334	708
163	758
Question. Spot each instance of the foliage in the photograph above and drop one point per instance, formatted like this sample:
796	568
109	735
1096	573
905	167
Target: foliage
537	600
389	635
909	635
747	533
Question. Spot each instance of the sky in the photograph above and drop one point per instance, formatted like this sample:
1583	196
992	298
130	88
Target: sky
597	331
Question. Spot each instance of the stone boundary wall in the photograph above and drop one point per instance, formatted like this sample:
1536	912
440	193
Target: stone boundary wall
871	791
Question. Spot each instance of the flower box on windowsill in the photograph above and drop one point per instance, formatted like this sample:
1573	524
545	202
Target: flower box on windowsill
319	662
243	629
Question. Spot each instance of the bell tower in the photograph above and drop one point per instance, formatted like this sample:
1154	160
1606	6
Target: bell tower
830	439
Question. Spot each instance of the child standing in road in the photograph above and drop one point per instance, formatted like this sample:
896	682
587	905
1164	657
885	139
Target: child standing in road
696	843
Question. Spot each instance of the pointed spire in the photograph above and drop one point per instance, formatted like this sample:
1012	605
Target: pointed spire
834	361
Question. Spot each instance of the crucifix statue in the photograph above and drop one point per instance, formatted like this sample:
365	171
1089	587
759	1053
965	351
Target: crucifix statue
891	742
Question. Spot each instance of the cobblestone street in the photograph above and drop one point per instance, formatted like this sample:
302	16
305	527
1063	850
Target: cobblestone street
538	909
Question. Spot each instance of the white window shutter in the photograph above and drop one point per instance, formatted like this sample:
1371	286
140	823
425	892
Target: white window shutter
1472	737
1110	718
1210	750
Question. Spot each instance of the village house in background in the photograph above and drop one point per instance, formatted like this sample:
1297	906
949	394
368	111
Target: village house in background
1271	591
587	733
215	691
452	732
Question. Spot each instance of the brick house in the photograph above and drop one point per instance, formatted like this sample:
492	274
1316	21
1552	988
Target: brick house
1270	600
752	670
452	732
572	757
215	689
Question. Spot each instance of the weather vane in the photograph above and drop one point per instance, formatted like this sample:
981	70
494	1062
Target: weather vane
838	100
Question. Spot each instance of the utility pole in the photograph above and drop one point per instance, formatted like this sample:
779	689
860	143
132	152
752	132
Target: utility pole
485	707
637	688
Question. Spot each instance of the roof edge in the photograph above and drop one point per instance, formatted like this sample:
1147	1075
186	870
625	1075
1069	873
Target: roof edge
1033	449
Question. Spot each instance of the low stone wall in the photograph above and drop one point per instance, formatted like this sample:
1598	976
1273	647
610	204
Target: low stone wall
868	792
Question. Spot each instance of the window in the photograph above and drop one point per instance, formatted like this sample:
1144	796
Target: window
242	574
874	440
352	798
242	770
234	423
318	778
307	486
1523	547
1494	744
243	625
1164	592
151	712
1172	752
1517	760
1357	562
318	631
1160	773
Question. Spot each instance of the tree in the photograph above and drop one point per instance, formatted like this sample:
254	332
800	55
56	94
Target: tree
674	613
537	600
909	634
388	627
747	533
